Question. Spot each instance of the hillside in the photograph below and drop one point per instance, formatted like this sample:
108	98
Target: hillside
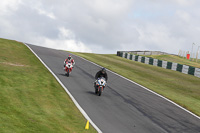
31	99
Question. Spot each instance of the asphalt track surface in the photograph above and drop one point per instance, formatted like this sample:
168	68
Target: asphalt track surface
124	107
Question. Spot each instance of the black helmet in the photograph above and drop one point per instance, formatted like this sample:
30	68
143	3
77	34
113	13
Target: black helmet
103	70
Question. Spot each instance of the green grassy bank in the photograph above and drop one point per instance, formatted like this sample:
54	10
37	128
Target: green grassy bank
181	88
31	100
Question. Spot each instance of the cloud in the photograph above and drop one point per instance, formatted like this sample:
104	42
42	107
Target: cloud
8	6
184	16
66	40
43	12
102	26
69	45
185	2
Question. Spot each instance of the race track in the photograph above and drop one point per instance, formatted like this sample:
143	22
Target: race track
124	107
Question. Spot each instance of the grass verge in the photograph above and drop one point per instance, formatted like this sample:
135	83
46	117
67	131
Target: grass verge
31	100
181	88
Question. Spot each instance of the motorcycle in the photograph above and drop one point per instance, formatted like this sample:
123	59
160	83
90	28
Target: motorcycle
68	68
100	85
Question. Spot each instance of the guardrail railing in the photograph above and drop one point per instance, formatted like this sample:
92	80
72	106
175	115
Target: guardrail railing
160	63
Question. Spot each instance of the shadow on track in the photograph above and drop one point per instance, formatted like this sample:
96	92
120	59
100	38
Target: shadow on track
62	74
90	92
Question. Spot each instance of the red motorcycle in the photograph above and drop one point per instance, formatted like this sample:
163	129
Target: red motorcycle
68	68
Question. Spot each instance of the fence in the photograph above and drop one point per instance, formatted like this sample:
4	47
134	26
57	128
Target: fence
160	63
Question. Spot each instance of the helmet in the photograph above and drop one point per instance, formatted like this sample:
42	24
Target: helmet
103	70
69	57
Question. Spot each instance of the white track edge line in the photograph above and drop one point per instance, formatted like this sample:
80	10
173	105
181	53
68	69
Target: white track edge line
73	99
145	89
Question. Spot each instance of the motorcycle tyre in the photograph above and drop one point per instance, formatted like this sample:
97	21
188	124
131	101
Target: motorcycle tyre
67	73
100	91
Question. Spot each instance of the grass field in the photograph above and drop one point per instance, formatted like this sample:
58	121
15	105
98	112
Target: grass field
31	100
177	59
181	88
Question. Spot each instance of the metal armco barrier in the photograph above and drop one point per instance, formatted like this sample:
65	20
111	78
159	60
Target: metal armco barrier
160	63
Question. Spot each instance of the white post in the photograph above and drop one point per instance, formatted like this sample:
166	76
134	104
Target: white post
193	56
197	54
183	54
192	50
179	52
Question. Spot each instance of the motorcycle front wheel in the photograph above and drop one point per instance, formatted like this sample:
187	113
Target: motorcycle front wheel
67	72
100	91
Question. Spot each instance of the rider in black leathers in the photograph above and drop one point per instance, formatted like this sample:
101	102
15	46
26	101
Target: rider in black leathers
101	73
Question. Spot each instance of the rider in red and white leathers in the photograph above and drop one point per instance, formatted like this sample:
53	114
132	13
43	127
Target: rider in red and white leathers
69	59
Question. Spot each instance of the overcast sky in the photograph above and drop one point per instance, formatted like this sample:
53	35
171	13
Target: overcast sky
103	26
